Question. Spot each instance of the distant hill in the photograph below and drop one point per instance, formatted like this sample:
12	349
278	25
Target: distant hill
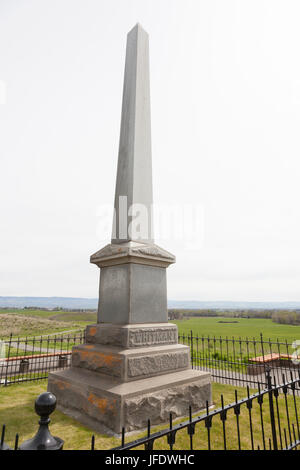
232	305
82	303
49	302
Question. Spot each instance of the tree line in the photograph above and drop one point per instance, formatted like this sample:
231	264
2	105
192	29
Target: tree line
288	317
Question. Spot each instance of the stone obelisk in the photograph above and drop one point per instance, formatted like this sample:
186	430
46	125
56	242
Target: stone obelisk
131	368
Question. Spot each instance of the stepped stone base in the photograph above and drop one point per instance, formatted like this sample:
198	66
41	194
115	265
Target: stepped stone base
127	374
106	404
131	364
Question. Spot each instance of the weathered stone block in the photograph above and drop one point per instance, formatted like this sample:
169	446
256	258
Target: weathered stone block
131	364
132	293
152	336
94	358
108	404
154	364
158	406
132	336
83	402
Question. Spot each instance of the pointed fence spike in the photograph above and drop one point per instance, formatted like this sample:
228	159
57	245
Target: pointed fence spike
2	435
16	442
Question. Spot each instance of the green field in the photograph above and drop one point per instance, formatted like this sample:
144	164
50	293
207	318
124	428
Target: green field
56	321
244	328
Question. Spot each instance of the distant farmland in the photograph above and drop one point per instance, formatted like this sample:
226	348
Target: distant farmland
243	327
56	321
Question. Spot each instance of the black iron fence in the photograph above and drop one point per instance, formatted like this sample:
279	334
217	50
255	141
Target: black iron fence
31	358
265	420
242	362
230	360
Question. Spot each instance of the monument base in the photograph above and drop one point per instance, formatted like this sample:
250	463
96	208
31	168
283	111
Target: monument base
107	404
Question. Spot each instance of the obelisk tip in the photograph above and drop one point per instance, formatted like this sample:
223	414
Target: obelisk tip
138	28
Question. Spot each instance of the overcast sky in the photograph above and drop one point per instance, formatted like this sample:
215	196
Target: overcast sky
225	98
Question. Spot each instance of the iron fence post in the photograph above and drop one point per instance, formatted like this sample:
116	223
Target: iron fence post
192	350
8	356
3	445
271	406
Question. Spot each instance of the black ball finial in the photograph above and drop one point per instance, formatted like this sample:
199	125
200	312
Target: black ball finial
45	404
43	440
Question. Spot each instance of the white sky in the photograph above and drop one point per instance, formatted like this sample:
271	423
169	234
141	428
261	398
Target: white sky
225	95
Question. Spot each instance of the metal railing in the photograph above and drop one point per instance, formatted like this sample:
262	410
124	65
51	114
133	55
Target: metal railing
28	359
230	360
265	420
242	362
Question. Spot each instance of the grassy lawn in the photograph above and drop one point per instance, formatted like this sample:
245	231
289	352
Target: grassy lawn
27	322
17	403
22	326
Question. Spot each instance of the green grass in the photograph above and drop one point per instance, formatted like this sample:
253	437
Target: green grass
206	326
84	317
28	312
17	412
26	326
245	328
37	322
81	317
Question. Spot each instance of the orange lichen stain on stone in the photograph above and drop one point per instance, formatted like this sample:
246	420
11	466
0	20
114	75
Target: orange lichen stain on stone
102	403
92	330
101	359
61	385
